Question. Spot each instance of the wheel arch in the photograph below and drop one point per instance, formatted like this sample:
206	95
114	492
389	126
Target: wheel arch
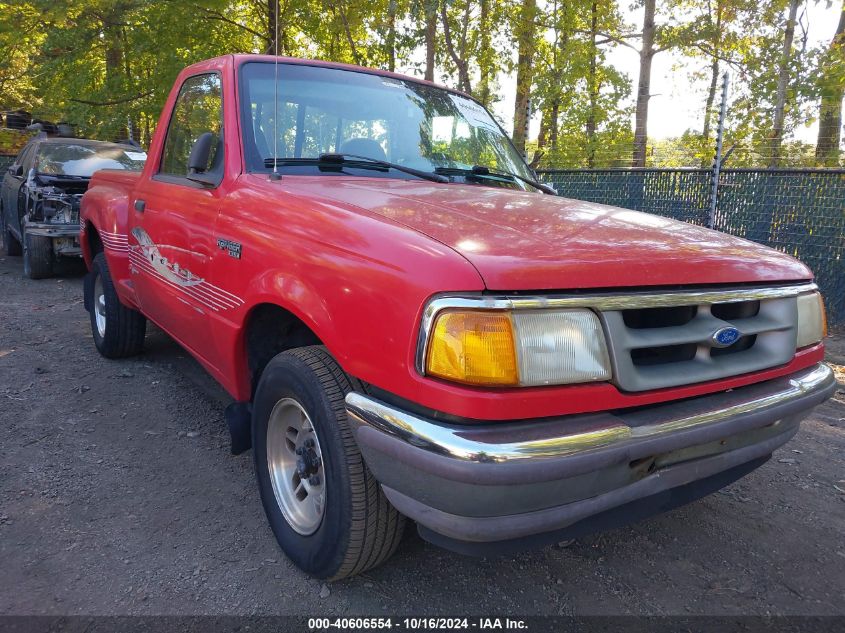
91	242
268	329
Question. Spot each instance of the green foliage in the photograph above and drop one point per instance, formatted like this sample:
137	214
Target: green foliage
12	141
20	39
108	65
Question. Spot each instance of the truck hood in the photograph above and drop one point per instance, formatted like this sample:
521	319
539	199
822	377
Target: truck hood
528	241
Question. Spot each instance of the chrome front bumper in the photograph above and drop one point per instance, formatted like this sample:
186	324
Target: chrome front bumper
510	480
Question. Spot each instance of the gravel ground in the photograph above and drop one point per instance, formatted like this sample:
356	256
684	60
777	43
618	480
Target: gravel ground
118	496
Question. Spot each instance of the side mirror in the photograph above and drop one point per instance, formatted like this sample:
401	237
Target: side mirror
16	170
201	153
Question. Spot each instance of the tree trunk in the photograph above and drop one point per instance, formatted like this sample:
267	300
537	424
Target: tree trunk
714	81
708	106
561	43
115	70
272	40
485	55
430	37
113	57
541	141
644	87
391	36
830	110
542	138
458	56
554	113
350	40
783	83
592	88
145	138
525	32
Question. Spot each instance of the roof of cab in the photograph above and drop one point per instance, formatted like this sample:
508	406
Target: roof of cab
243	58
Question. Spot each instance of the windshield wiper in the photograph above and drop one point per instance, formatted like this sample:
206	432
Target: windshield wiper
481	171
357	161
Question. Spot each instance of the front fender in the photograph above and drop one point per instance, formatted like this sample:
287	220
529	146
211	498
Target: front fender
104	226
358	280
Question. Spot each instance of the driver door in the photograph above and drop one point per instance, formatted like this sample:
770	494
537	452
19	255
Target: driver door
173	218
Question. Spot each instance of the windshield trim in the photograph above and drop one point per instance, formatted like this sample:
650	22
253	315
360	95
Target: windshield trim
246	60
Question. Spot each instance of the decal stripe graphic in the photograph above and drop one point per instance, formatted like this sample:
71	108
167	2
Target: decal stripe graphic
147	258
200	292
115	241
223	294
144	266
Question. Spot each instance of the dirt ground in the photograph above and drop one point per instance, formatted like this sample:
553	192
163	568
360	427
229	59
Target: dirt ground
118	495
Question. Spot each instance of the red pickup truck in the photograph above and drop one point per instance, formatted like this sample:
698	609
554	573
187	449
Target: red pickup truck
411	326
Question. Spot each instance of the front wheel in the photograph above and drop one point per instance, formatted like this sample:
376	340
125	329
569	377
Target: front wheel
118	331
326	510
37	256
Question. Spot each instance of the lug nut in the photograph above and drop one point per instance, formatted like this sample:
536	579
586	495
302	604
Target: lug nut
299	450
309	443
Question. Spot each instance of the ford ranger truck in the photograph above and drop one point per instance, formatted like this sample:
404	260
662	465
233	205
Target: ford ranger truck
411	326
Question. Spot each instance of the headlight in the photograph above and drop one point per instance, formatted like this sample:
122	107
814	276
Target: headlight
812	321
517	348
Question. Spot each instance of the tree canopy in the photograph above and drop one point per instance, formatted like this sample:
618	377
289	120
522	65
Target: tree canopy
108	65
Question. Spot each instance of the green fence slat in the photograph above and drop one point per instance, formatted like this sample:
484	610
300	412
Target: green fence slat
800	212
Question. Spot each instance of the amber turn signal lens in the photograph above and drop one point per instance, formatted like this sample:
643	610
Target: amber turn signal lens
473	347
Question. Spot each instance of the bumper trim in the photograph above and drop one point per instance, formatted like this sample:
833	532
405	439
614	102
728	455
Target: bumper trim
613	518
492	529
510	481
536	441
515	526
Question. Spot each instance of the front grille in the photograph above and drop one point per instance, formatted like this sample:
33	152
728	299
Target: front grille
660	355
644	318
653	348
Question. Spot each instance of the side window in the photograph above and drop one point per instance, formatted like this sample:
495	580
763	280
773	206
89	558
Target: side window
199	109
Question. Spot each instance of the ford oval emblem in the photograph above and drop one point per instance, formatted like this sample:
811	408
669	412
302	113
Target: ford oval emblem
725	337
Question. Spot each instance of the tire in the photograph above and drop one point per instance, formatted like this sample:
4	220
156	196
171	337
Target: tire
358	528
37	256
120	331
10	242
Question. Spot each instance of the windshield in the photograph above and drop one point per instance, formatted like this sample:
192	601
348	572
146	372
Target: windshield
77	159
326	110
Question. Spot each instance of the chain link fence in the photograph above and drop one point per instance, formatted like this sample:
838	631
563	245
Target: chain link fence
797	211
800	212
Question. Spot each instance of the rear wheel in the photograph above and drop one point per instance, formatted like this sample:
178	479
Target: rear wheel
37	256
118	331
326	510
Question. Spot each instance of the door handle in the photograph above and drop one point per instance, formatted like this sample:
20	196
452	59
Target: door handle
140	205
